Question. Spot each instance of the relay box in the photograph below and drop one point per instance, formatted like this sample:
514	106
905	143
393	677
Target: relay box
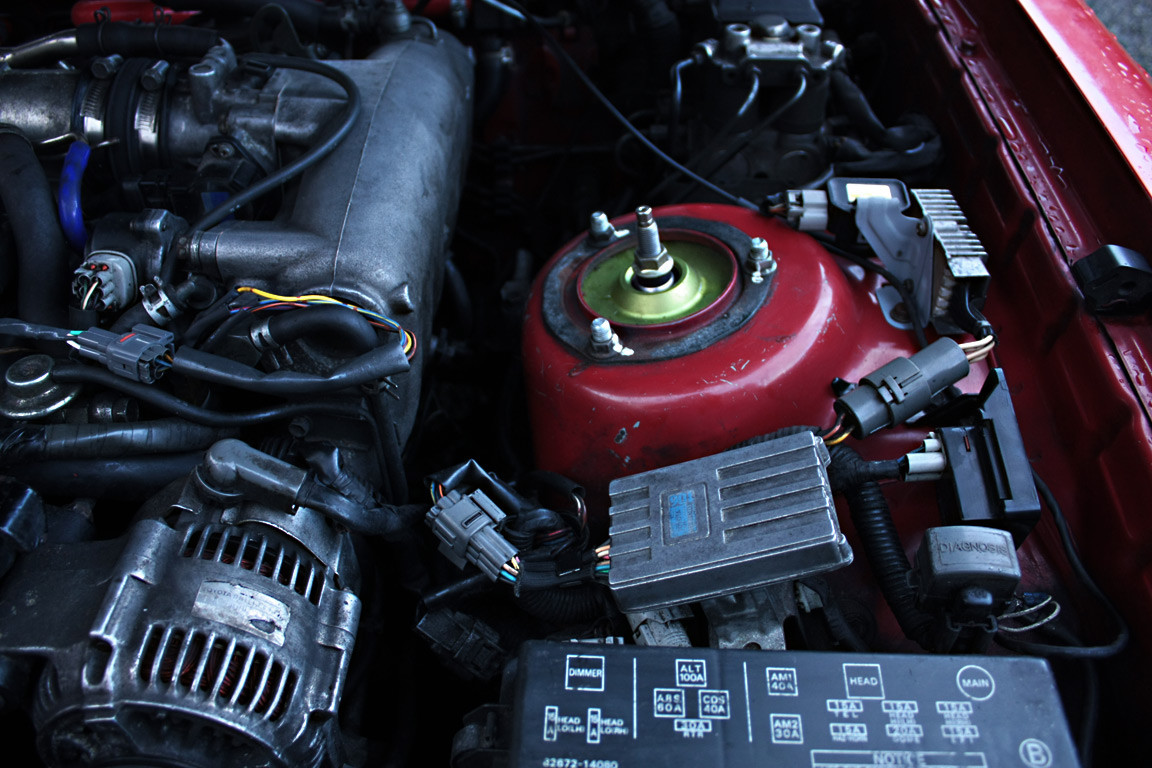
615	706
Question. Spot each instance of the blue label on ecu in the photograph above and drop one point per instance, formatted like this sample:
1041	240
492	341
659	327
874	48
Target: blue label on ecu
682	514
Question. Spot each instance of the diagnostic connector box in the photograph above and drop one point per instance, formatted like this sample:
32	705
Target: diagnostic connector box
634	707
724	524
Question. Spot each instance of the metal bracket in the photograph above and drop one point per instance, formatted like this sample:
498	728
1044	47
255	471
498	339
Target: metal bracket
903	243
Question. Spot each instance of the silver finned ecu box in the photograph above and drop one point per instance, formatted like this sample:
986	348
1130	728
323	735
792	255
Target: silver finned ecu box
723	524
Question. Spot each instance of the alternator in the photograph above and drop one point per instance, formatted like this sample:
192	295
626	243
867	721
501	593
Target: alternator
219	635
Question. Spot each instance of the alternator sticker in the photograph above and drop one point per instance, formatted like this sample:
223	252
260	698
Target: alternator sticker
243	608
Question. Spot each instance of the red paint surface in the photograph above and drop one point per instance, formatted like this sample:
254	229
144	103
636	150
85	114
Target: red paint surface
595	422
434	8
85	11
1117	89
1027	95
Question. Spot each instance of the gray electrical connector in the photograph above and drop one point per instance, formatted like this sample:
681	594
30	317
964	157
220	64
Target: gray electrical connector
105	282
466	527
966	569
137	355
896	392
808	209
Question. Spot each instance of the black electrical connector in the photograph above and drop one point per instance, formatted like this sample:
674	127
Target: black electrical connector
989	480
22	521
842	196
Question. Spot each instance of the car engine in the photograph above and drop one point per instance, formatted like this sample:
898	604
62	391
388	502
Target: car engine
557	383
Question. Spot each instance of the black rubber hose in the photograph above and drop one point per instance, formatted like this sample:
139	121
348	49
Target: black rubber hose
564	605
340	327
158	398
32	331
90	441
881	542
42	254
164	41
491	83
206	320
841	630
388	521
371	366
391	454
133	316
231	323
855	106
312	156
131	479
450	594
195	293
457	289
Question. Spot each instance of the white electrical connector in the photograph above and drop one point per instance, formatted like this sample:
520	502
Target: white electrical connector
808	209
929	462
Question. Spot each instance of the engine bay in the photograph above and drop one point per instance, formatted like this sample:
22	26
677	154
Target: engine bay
565	383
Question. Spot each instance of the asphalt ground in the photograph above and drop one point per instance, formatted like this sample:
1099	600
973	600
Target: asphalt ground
1131	22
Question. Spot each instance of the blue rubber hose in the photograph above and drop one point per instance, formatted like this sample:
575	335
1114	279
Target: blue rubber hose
71	177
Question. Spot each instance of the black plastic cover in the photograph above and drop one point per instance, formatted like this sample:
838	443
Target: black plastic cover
843	192
1114	280
596	706
989	479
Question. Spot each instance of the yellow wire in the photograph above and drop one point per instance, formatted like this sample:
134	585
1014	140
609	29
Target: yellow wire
409	339
278	297
838	440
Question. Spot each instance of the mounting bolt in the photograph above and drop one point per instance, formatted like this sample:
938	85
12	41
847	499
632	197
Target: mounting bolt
600	229
106	66
601	331
604	342
152	79
760	262
810	38
736	39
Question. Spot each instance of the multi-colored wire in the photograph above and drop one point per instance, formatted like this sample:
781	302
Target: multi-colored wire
837	433
276	301
603	558
511	570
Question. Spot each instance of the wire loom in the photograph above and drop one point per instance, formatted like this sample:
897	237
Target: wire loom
275	301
